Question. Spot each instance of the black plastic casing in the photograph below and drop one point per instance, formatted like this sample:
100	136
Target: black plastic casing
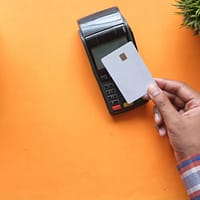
99	28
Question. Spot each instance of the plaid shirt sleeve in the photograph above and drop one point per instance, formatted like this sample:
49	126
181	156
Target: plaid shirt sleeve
189	170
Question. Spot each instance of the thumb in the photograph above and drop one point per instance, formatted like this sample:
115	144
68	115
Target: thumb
160	99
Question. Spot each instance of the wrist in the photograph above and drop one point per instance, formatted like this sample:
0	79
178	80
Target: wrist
188	152
189	169
185	157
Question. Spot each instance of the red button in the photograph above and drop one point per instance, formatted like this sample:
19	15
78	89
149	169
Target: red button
116	107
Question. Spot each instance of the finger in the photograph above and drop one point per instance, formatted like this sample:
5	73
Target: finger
157	116
146	97
161	130
181	111
176	101
167	110
185	92
159	122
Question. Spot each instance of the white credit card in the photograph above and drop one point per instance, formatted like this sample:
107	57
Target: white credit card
128	71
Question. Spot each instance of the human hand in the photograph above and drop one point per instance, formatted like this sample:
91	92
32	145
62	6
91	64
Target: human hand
177	113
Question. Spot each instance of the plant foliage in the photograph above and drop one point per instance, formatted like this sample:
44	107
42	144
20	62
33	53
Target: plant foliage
190	9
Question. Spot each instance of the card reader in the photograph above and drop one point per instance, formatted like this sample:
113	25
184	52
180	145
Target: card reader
102	33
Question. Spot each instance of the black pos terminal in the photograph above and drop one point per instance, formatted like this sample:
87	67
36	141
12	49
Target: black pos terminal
102	33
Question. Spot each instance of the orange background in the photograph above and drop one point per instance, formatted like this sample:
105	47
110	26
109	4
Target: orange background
57	140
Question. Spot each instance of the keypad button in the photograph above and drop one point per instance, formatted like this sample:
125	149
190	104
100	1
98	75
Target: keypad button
108	86
140	100
112	97
125	105
104	77
110	91
114	102
116	107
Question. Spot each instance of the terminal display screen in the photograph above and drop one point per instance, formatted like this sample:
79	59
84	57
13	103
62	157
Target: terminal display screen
105	48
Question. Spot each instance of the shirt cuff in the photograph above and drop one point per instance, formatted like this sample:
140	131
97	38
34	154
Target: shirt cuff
189	170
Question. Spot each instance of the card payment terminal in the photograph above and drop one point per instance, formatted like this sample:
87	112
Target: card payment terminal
102	33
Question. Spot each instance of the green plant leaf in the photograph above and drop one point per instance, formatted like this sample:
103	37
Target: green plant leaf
190	9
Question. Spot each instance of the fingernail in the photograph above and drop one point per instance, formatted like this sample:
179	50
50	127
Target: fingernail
153	91
146	97
157	117
162	131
